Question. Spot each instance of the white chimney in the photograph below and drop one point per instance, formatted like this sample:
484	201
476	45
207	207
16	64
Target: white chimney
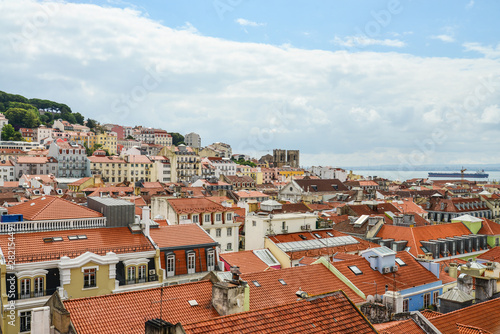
40	320
146	219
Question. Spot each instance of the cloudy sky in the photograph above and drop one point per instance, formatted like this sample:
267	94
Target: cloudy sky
346	82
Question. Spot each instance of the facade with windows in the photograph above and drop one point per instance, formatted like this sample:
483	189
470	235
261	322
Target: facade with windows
187	253
71	157
75	263
217	220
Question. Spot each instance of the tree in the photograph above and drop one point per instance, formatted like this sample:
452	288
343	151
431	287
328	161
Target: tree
91	124
79	118
129	137
22	118
10	134
177	139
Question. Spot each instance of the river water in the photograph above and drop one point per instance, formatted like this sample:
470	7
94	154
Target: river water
405	175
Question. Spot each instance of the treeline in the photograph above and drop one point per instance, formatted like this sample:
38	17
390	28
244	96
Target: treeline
24	113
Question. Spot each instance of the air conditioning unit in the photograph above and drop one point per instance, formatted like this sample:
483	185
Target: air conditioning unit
394	269
305	227
386	270
152	272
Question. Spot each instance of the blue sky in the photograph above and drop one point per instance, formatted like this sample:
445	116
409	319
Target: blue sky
346	82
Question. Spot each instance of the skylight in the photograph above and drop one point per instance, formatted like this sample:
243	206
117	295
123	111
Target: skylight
425	250
282	281
82	237
193	302
400	262
329	234
57	239
257	284
317	235
355	270
72	237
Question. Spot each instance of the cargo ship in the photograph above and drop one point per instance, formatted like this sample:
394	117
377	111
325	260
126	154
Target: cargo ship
477	175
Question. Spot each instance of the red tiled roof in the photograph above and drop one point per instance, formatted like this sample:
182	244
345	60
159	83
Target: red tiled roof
80	182
31	247
422	233
430	314
463	329
492	255
485	315
332	313
489	227
322	185
410	275
27	159
52	207
272	293
180	235
195	205
246	260
403	327
250	194
127	312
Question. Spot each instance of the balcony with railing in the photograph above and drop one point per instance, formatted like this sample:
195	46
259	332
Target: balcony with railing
30	294
51	225
137	280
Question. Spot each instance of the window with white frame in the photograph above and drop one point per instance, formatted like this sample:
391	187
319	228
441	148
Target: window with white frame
89	279
131	274
427	299
254	223
229	216
195	218
25	321
435	295
218	232
229	231
218	217
141	273
229	246
25	288
170	265
191	265
38	286
206	218
406	304
210	260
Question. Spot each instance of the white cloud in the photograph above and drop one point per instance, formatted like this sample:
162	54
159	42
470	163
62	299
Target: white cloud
488	51
355	41
444	38
116	65
470	4
491	115
247	23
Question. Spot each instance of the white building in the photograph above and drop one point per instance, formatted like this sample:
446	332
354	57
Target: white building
3	121
222	166
7	171
42	132
71	157
162	171
217	220
258	225
193	140
328	172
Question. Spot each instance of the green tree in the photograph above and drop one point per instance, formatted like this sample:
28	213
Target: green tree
79	118
91	123
10	134
129	137
22	118
177	138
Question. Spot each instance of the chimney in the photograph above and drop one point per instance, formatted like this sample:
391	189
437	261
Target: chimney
160	326
452	271
231	297
41	320
146	220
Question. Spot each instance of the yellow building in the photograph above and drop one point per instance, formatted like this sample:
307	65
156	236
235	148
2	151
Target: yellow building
184	162
285	173
108	142
130	168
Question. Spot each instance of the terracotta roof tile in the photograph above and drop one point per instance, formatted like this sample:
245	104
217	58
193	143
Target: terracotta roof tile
195	205
492	255
52	207
127	312
180	235
430	314
489	227
31	247
332	313
422	233
403	327
463	329
272	293
321	185
485	315
246	260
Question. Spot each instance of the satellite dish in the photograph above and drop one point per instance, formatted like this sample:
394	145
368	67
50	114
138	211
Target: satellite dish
370	299
378	298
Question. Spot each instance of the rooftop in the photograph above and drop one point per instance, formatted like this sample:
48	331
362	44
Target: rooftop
180	235
52	208
195	205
